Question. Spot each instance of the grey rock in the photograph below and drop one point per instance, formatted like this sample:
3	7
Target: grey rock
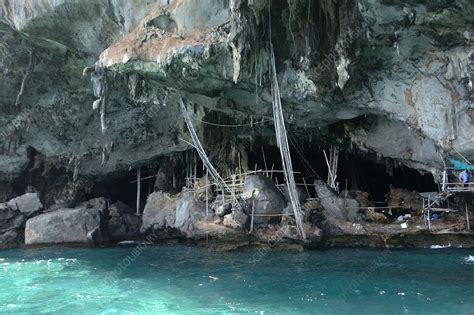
12	224
159	212
411	75
79	225
237	219
124	227
119	208
11	238
335	227
10	219
301	192
27	204
334	206
188	212
224	209
179	213
265	196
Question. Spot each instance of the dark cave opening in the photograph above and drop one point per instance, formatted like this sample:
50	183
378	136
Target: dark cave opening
356	171
165	173
119	187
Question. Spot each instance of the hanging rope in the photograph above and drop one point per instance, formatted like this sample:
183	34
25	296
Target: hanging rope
263	121
282	142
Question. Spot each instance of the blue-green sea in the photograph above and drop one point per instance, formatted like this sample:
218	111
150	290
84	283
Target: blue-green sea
181	279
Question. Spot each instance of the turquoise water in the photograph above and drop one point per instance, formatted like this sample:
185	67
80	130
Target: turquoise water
186	279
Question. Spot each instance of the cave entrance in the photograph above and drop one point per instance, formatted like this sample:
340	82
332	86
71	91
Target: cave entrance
356	171
168	174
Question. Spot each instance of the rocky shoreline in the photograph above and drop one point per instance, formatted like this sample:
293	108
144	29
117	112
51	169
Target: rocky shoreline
328	222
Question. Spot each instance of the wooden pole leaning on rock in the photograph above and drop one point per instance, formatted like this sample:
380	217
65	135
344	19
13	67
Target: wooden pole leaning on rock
200	150
253	214
207	194
282	142
468	224
139	182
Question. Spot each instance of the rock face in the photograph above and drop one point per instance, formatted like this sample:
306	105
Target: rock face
27	204
237	219
159	212
88	98
12	223
335	206
123	224
404	199
396	75
302	194
85	225
262	192
166	213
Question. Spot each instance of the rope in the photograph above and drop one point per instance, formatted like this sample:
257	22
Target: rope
232	126
306	163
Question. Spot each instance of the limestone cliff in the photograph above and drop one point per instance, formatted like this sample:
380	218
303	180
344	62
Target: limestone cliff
395	78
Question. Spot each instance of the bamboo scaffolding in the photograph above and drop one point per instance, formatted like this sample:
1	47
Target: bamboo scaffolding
200	150
282	142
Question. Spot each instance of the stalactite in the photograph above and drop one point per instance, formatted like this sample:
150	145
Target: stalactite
26	78
100	88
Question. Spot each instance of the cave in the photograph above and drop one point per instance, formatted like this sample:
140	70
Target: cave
356	170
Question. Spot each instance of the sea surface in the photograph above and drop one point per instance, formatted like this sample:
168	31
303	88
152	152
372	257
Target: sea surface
182	279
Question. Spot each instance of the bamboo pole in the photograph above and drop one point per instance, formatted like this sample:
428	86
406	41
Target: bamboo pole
207	195
306	187
468	224
139	175
282	142
253	214
265	162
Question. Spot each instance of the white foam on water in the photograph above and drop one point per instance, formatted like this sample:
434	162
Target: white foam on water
440	246
469	259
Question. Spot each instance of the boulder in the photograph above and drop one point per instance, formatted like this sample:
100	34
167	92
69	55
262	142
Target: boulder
85	224
335	206
124	227
376	217
237	219
119	208
362	197
123	223
178	213
188	211
224	209
159	212
12	224
10	219
27	204
302	194
11	238
266	197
